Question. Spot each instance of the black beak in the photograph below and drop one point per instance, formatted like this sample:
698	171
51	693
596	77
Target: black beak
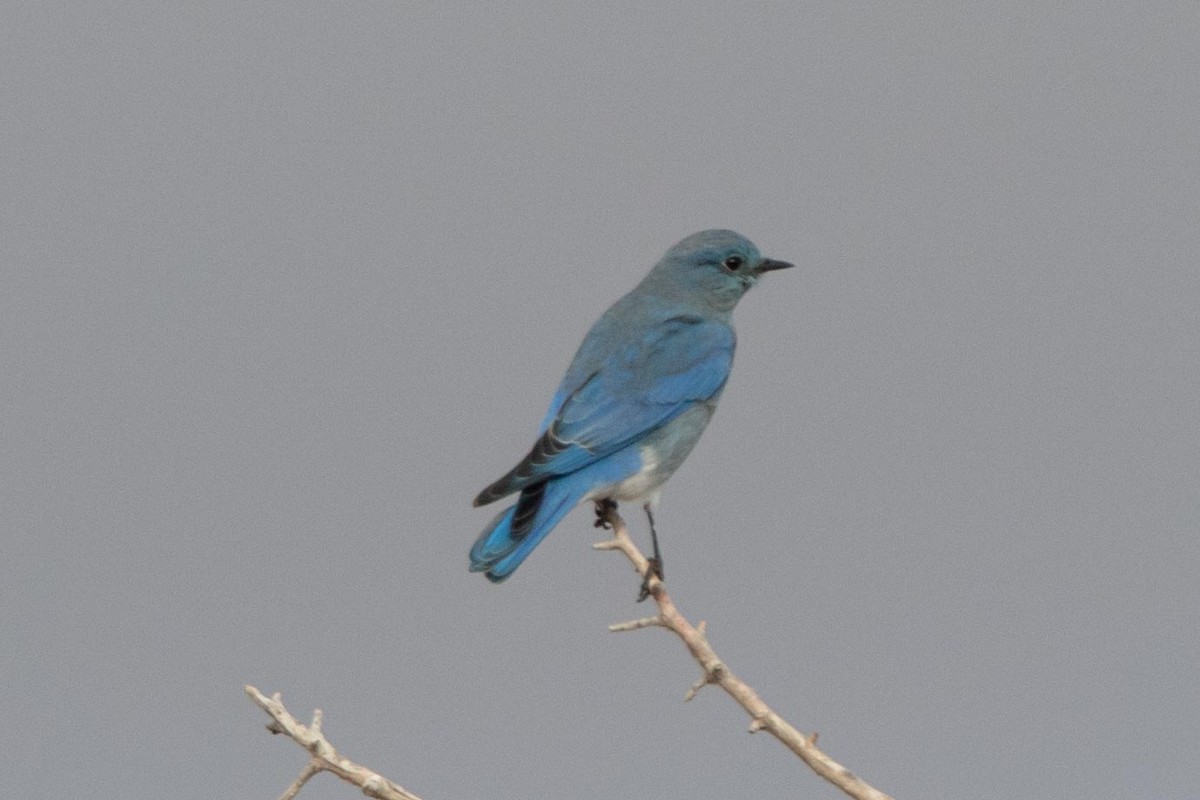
768	264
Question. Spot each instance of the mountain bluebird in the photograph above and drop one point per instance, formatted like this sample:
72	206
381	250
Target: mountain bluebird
634	401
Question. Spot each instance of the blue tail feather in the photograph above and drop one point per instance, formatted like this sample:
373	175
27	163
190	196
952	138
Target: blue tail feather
513	533
495	542
511	536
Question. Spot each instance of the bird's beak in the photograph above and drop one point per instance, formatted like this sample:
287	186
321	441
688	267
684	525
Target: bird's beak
768	264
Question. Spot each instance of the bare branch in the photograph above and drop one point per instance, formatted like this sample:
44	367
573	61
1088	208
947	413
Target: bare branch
309	770
324	758
322	755
636	624
762	717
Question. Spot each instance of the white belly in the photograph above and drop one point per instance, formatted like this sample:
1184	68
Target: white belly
661	454
642	487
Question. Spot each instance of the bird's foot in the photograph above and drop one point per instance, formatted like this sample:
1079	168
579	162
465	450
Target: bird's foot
655	570
605	508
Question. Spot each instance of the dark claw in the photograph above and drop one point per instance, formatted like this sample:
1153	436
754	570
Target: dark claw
604	508
656	569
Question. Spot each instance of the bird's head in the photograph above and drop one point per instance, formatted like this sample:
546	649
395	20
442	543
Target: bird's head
713	268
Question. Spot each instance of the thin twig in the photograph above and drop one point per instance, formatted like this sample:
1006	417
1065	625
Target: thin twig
322	755
309	770
636	624
762	717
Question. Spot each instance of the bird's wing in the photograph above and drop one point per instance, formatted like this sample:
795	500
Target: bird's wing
635	389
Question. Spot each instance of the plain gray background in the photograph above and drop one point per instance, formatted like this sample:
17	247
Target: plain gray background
285	284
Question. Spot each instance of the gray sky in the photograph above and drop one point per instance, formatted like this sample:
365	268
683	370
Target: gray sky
286	284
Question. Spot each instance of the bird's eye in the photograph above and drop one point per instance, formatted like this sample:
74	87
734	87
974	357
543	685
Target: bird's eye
734	263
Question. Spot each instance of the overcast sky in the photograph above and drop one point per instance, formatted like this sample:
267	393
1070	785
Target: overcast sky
286	284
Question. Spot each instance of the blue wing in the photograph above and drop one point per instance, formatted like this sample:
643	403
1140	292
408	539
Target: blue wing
622	395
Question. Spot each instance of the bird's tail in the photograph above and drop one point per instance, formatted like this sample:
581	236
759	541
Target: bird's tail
511	536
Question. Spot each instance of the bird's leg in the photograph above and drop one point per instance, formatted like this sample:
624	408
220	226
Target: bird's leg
656	561
605	507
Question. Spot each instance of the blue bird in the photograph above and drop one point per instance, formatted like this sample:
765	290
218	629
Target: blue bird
634	401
